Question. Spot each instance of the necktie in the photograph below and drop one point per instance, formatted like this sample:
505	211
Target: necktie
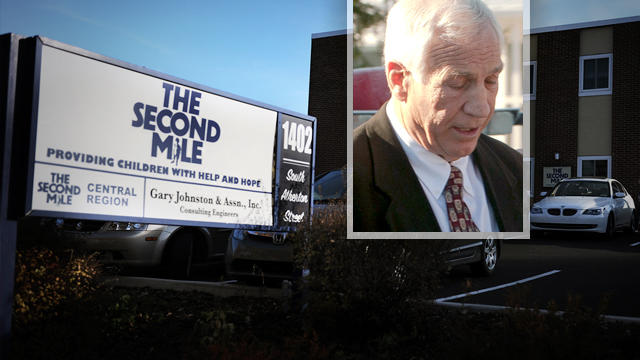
459	215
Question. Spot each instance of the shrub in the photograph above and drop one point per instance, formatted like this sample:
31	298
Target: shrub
45	279
363	283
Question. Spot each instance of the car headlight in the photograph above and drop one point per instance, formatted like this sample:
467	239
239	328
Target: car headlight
123	226
536	210
596	211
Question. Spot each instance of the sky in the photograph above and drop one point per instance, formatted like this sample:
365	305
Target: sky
561	12
255	49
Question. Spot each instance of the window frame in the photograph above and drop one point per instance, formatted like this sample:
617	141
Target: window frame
583	158
597	91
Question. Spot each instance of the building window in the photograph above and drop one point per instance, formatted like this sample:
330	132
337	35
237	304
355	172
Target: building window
594	166
595	74
529	71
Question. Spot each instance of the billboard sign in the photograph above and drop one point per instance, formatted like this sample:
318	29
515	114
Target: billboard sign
111	140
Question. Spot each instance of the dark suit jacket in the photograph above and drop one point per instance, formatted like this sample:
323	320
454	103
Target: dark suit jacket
388	195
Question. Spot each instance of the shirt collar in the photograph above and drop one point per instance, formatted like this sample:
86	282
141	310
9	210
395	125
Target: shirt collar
432	170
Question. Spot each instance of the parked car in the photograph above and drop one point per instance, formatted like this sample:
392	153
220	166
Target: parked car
599	205
176	249
269	254
481	255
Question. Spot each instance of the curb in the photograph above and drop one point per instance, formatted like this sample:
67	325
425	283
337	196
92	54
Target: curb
490	308
222	289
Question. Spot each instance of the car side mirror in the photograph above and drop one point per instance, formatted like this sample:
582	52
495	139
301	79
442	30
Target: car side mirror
619	195
543	193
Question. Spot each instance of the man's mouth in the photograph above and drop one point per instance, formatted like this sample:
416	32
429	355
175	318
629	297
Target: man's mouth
466	131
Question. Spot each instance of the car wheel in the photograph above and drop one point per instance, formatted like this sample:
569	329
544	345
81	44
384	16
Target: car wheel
179	256
611	227
489	258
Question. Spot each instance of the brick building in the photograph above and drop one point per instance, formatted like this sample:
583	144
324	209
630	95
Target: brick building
584	102
328	98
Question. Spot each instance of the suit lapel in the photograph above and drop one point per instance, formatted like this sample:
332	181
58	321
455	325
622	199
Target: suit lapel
497	182
408	206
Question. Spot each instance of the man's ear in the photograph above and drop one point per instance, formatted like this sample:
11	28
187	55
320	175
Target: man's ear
396	80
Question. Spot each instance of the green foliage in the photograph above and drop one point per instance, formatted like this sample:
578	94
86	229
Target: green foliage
526	332
366	299
124	314
363	272
45	279
294	346
214	327
360	288
364	16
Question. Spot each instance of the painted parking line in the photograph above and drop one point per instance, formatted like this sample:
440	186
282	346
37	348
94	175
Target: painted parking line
635	244
445	299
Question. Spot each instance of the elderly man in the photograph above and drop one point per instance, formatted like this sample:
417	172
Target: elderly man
422	163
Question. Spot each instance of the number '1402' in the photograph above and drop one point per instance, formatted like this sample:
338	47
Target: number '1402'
297	137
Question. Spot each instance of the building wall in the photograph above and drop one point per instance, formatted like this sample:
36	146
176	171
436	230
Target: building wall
596	41
594	112
571	125
625	107
594	125
328	100
556	108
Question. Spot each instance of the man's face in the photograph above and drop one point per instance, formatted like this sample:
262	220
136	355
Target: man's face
454	101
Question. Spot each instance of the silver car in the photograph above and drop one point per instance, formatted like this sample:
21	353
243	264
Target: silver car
599	205
268	253
481	255
265	254
176	249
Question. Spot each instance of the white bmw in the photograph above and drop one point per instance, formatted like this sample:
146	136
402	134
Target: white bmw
585	204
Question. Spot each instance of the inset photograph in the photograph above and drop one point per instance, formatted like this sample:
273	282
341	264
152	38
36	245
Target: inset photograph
437	124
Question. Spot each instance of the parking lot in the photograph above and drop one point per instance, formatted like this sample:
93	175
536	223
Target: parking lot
559	268
593	270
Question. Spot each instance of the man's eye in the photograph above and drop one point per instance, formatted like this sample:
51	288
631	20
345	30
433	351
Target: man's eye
492	80
456	83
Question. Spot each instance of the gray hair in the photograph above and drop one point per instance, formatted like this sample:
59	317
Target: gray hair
412	24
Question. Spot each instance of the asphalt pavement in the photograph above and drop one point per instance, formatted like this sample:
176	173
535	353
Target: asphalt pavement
558	269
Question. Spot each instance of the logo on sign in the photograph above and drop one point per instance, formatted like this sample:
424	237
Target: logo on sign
178	131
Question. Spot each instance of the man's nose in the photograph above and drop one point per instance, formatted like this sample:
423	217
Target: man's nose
477	104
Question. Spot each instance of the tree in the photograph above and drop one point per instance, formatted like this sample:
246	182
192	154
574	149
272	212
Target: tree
365	16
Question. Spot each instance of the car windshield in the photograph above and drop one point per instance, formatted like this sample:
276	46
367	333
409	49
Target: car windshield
582	188
331	186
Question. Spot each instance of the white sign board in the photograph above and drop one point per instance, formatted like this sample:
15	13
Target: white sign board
111	141
552	175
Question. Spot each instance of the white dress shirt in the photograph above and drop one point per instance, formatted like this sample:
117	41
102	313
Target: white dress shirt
433	172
